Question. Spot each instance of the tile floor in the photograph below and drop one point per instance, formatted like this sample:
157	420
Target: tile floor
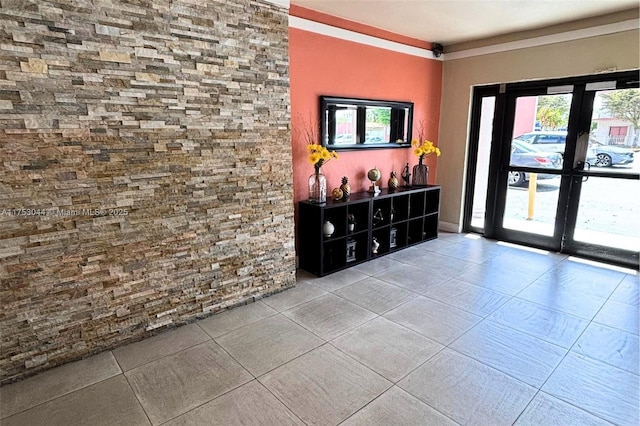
460	330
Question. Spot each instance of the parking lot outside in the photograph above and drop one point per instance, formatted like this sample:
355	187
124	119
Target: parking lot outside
609	208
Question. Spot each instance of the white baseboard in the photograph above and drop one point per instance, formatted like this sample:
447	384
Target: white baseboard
449	227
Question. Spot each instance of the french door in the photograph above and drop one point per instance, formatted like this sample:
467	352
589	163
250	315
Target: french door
550	175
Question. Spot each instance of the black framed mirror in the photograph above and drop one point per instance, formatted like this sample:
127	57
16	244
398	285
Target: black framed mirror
352	124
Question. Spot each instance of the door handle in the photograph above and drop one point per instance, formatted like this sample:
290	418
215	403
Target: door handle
586	166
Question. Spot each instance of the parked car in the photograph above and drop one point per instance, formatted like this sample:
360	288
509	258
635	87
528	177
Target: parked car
600	155
525	155
346	138
548	141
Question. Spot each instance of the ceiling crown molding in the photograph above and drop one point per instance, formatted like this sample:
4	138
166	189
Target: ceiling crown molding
629	25
328	30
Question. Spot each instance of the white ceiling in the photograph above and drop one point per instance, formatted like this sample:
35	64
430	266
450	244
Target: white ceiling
454	21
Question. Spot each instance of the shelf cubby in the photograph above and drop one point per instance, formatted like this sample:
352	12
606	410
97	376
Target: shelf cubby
360	212
416	205
381	212
400	240
400	208
382	236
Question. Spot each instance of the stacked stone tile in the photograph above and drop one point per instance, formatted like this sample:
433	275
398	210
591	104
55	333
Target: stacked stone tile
145	169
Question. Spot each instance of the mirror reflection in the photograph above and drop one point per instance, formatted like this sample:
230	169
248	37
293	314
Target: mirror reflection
365	124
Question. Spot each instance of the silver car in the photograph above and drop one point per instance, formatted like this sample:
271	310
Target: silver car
525	155
600	155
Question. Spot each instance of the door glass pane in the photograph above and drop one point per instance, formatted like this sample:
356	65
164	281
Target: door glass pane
540	132
615	130
609	213
482	162
539	141
532	208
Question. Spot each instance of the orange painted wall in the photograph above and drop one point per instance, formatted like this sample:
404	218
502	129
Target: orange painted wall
322	65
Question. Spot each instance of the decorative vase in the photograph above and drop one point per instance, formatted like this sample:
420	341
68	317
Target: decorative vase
317	187
420	173
328	228
393	182
346	188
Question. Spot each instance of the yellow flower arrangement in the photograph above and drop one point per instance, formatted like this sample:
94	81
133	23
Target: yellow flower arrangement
425	149
319	155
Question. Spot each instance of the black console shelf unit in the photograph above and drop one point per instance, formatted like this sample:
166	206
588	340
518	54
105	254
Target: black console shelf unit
396	219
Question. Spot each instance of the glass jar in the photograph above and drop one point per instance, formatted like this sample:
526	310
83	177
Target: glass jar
317	188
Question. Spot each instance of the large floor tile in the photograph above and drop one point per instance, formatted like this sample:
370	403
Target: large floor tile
250	404
329	316
619	315
301	293
603	390
411	278
266	344
324	386
517	354
501	280
469	297
467	391
562	298
544	323
439	265
522	260
387	348
578	277
174	385
435	246
473	251
153	348
229	320
610	345
339	279
395	407
435	320
376	266
547	410
375	295
53	383
628	291
109	403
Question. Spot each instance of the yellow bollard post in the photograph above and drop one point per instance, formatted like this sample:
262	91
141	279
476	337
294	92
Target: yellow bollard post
533	184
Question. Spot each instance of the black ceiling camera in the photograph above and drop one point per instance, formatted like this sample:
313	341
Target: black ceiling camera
437	49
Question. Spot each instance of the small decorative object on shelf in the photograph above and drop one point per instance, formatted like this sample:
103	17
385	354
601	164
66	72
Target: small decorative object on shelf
392	214
337	194
351	221
393	242
393	182
346	188
351	250
374	176
328	229
318	156
378	217
375	245
421	171
406	175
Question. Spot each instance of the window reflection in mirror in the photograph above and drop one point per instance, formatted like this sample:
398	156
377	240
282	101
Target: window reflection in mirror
377	125
365	124
346	122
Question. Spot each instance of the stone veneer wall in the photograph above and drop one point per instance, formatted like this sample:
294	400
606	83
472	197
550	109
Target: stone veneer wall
151	139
